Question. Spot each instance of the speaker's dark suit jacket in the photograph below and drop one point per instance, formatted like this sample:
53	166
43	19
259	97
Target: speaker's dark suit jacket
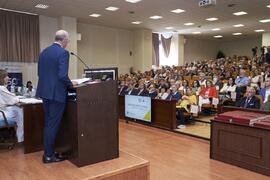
53	73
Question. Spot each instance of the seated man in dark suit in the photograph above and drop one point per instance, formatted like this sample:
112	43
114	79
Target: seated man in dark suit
152	91
131	90
142	90
250	100
123	87
175	94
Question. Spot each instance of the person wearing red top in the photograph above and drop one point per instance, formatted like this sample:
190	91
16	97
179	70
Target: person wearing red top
207	94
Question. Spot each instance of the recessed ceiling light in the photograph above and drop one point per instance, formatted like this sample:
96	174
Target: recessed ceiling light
169	28
240	13
111	8
216	29
259	30
155	17
196	32
177	11
189	24
265	20
237	34
133	1
218	36
268	6
42	6
239	25
212	19
136	22
95	15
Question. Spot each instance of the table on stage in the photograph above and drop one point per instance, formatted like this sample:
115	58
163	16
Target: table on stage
33	127
241	144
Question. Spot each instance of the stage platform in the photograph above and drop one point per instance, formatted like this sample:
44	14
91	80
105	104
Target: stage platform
17	165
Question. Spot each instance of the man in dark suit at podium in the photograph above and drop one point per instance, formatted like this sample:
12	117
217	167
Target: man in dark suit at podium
52	88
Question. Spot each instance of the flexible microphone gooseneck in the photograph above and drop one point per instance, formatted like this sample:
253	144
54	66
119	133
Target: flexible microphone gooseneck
78	57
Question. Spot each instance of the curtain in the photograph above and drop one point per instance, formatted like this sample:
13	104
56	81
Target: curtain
19	37
155	39
166	44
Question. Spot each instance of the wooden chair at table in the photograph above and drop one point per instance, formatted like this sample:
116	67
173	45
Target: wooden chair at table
7	131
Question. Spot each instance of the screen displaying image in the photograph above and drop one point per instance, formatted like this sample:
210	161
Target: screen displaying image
138	107
103	74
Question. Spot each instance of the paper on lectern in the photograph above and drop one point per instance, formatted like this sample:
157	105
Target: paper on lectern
80	81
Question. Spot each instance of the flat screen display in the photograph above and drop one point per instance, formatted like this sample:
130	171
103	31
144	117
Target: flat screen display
102	74
138	107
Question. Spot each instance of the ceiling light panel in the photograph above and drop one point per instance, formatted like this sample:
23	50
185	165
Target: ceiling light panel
265	20
189	24
178	11
42	6
212	19
239	25
156	17
240	13
136	22
259	30
218	36
111	8
95	15
237	34
133	1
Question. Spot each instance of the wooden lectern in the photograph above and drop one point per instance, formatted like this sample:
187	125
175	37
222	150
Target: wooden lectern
89	129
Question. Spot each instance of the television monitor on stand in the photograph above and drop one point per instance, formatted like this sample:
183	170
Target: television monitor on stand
103	74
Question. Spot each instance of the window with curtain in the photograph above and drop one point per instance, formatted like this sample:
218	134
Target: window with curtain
19	37
168	49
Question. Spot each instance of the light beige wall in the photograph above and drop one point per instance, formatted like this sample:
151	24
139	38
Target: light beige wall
47	28
266	39
240	46
142	49
70	25
197	49
105	47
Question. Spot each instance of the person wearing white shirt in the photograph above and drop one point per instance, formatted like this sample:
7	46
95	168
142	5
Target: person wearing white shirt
163	93
228	87
8	104
226	92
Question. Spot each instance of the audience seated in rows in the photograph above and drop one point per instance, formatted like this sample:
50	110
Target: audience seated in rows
225	80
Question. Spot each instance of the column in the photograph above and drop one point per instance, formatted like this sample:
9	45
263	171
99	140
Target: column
181	45
266	39
143	50
69	24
